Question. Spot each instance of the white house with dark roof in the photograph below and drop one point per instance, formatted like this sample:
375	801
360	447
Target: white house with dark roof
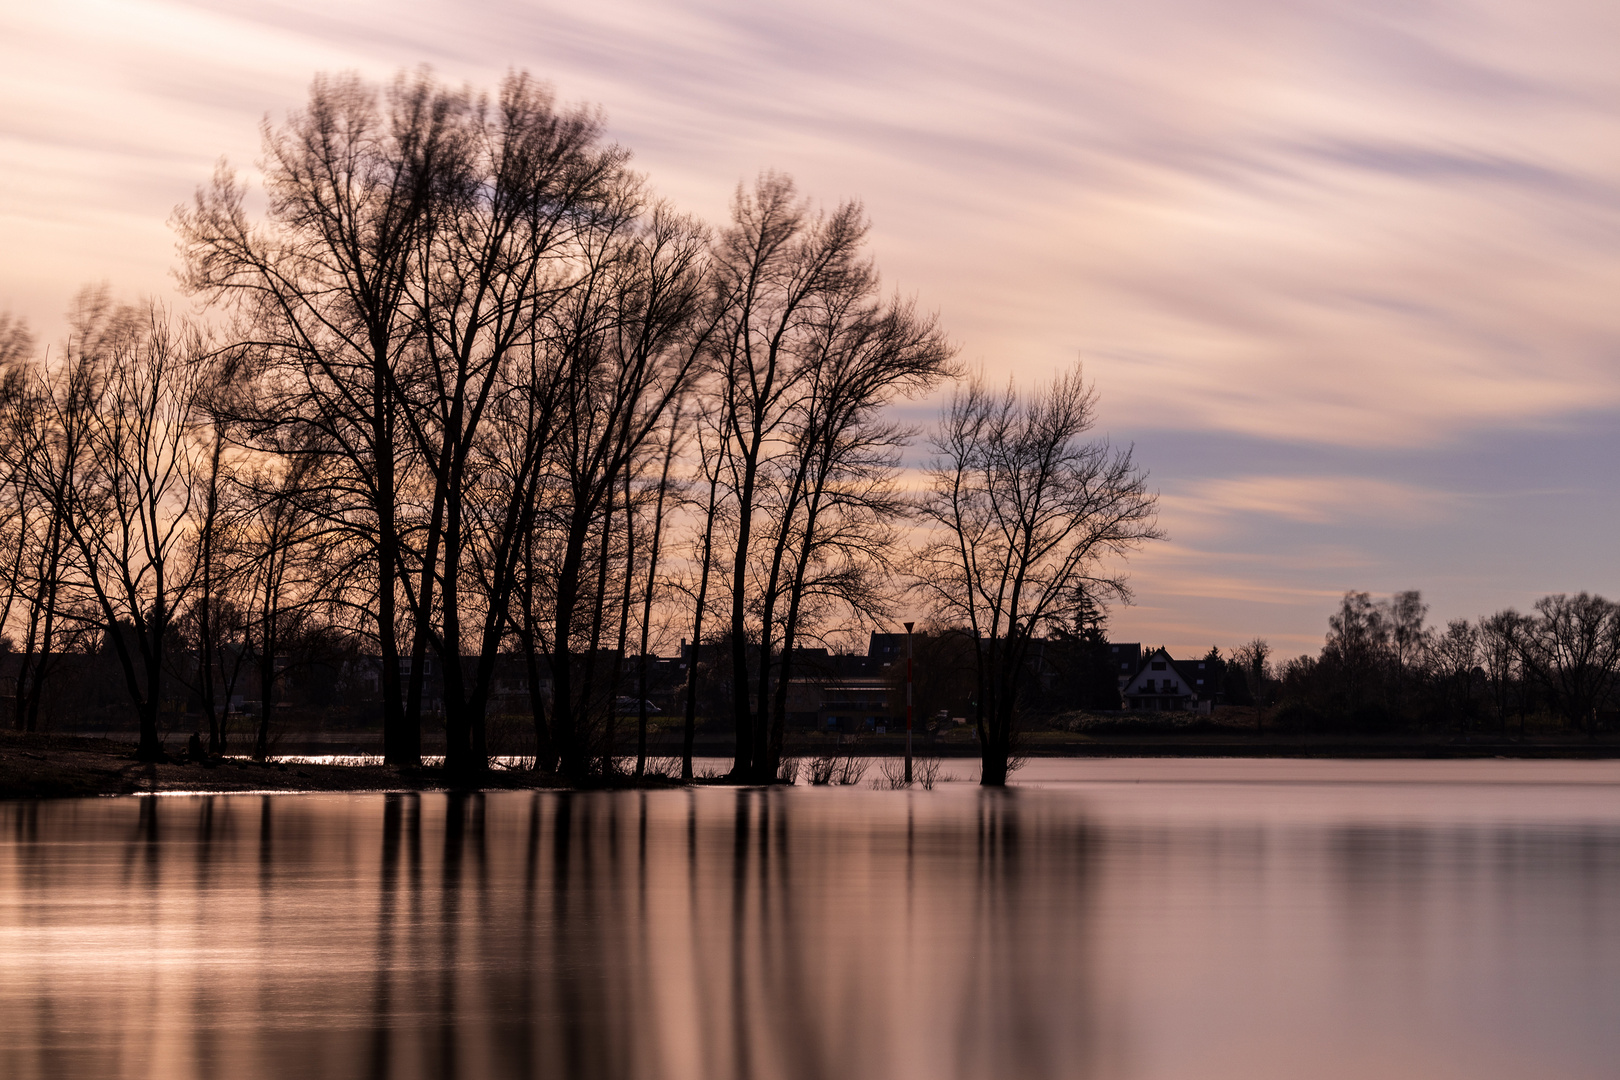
1164	684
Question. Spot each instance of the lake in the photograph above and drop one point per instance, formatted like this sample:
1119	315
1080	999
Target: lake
1102	918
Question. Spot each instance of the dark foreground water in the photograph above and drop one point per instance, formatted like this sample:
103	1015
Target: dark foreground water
1107	919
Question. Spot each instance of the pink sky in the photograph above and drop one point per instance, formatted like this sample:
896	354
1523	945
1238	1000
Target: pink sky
1348	273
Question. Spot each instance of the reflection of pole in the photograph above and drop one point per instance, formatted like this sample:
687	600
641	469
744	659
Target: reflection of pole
908	701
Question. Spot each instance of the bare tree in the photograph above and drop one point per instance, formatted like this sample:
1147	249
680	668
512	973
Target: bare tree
1499	636
710	446
213	616
1025	512
674	438
1409	640
129	410
1455	655
838	525
808	355
323	287
288	579
1253	659
776	264
530	195
1358	645
216	631
16	368
630	342
36	463
1572	647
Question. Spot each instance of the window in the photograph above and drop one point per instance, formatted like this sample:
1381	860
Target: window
1200	682
1158	665
1200	665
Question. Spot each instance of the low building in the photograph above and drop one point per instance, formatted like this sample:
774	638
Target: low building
849	693
862	704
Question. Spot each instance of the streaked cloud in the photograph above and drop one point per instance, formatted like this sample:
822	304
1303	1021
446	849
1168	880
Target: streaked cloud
1347	231
1312	499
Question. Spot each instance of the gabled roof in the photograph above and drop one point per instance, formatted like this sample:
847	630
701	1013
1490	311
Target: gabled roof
1185	671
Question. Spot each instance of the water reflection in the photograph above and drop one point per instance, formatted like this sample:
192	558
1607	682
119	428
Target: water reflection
806	934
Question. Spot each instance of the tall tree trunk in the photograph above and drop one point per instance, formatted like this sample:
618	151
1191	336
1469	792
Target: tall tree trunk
41	620
790	631
464	736
422	621
598	612
567	729
150	748
45	661
402	728
267	684
743	752
689	728
545	753
647	598
763	768
624	605
205	620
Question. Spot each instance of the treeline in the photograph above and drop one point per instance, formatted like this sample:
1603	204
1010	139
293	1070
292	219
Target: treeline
1384	668
468	390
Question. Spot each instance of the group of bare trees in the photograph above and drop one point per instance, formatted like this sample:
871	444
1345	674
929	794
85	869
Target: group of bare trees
100	480
468	390
1382	665
132	523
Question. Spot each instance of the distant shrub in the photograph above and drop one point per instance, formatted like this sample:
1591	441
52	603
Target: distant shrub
1297	716
1149	723
1372	718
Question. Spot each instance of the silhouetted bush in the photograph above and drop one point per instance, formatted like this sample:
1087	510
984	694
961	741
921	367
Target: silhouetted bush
1298	717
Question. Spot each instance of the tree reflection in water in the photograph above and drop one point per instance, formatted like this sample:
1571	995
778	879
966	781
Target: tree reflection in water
713	933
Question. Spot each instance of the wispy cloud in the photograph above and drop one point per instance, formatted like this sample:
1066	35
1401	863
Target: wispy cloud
1314	223
1316	500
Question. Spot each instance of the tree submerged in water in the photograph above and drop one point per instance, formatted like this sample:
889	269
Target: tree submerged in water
1026	515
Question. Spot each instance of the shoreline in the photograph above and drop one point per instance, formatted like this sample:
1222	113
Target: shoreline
70	766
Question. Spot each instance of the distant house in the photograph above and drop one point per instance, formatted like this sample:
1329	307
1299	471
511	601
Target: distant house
885	649
1161	683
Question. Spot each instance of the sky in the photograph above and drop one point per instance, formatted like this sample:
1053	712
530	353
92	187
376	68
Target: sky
1346	273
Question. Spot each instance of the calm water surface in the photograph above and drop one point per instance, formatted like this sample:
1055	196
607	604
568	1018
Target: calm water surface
1113	919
